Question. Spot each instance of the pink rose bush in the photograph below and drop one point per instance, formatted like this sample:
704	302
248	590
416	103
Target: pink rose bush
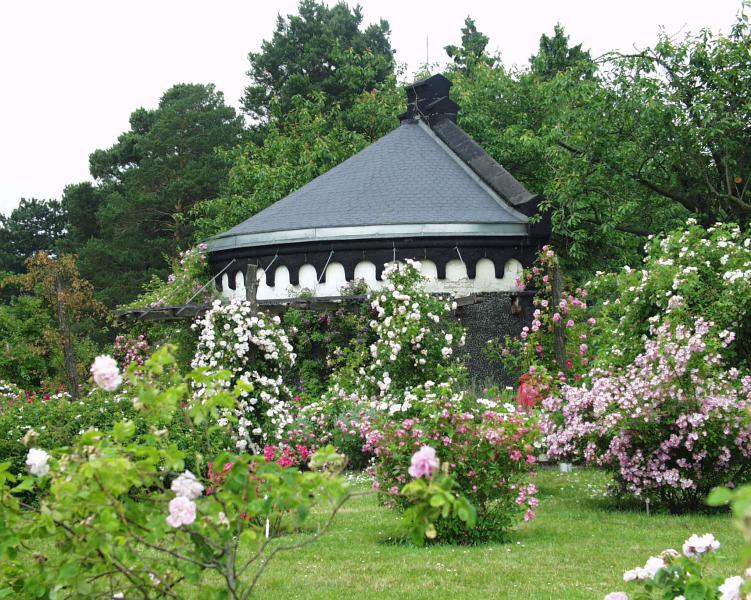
533	351
670	426
489	454
131	349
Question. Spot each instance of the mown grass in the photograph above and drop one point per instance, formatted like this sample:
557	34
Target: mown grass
578	547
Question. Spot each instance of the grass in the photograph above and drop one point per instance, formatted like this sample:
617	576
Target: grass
578	547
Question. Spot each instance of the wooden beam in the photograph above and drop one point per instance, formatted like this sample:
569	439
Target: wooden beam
271	305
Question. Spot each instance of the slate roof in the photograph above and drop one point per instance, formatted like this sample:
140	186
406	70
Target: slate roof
426	177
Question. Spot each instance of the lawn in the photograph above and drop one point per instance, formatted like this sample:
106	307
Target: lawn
578	547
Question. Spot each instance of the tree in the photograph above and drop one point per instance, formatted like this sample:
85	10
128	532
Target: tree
68	299
33	226
81	201
472	51
147	183
662	134
555	56
321	49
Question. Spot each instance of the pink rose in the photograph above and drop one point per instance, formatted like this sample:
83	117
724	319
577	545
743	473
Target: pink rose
106	374
182	511
424	463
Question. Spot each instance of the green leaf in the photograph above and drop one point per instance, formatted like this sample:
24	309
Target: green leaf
719	496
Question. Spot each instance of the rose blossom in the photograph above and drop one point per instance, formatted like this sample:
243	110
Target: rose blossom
181	512
731	588
187	486
105	373
616	596
424	463
37	461
697	545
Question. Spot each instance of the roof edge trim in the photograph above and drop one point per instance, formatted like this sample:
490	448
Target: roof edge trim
317	234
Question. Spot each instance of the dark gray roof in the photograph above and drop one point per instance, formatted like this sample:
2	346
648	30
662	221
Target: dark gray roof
410	182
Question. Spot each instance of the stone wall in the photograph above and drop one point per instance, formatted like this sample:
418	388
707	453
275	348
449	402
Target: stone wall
491	317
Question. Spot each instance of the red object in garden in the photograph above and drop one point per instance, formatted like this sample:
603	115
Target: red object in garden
528	393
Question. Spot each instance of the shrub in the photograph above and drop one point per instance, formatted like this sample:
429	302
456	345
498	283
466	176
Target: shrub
670	426
690	273
120	516
55	420
490	454
413	359
257	353
190	273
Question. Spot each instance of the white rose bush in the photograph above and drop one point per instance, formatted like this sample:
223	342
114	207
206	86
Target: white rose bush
257	353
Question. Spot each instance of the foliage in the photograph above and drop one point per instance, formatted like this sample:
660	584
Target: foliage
255	351
56	421
556	56
34	225
472	50
72	312
28	355
188	282
322	342
321	49
117	518
147	183
81	202
490	454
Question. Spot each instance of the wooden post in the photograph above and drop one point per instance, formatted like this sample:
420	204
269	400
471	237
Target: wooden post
559	327
68	354
251	287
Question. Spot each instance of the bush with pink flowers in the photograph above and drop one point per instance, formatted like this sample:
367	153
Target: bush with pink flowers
490	455
533	351
670	426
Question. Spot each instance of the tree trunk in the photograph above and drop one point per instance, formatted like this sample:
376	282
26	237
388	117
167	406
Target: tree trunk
68	355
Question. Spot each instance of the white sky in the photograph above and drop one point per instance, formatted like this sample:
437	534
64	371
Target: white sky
72	71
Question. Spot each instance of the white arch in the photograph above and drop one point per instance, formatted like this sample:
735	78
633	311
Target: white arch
456	270
265	291
485	270
226	291
308	277
334	279
428	269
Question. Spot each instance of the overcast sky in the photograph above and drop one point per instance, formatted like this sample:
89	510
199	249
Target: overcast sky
73	71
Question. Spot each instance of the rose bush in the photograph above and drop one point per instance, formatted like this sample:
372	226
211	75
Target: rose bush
490	454
670	426
257	353
533	352
684	575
